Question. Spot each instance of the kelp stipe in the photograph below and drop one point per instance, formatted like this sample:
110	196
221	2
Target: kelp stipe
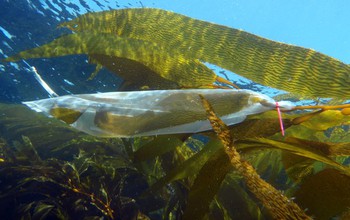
280	206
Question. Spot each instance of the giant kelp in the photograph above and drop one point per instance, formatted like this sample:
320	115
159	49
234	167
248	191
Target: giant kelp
51	171
279	205
209	175
135	74
70	174
169	65
283	66
84	187
192	182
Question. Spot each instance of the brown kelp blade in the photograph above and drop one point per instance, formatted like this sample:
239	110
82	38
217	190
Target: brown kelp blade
325	194
296	148
283	66
65	114
322	120
206	185
171	65
190	167
328	148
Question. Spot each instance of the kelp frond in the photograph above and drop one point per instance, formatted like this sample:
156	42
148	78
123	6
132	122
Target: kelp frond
168	64
295	69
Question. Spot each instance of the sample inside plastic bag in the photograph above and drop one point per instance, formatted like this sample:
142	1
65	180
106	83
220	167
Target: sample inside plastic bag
145	113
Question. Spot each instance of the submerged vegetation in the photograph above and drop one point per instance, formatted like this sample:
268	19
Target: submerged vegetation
48	170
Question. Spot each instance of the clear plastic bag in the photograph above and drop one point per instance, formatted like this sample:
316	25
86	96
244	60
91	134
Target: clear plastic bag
145	113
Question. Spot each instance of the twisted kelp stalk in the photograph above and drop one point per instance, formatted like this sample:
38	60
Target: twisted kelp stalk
291	68
280	206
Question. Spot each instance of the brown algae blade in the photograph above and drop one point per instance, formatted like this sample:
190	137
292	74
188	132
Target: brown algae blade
170	65
294	69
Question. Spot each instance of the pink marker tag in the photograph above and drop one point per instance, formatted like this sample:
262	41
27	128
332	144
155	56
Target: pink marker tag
280	118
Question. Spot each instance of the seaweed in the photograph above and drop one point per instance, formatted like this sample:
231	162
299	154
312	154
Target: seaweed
280	206
334	199
93	182
132	59
48	170
292	68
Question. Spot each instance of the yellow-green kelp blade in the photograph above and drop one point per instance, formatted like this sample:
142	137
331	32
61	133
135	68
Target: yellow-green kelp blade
170	65
294	148
283	66
135	74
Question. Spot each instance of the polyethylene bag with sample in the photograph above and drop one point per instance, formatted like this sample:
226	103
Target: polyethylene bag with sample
144	113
